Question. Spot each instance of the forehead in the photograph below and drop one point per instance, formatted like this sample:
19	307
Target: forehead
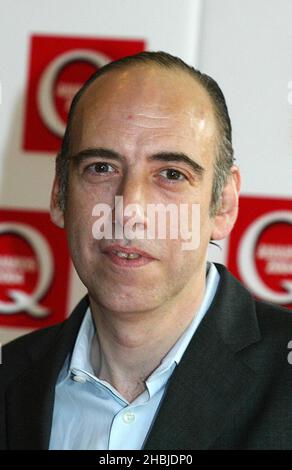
144	100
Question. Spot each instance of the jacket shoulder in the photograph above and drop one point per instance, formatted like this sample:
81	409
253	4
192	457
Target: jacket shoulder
273	315
18	354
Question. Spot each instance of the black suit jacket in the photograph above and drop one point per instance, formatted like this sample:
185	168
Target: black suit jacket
231	390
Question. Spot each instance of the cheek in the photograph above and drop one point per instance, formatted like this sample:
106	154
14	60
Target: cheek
87	193
78	223
81	200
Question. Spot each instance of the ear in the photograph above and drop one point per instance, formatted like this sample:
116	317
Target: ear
227	214
57	215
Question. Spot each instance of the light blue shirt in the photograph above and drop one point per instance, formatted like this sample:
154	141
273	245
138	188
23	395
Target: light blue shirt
90	414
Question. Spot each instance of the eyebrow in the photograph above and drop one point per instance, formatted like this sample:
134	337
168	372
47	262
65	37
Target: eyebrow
101	152
95	152
179	157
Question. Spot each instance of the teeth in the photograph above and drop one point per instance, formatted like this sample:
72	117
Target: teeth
121	254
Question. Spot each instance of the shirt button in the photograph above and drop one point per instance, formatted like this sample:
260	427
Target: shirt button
129	417
79	379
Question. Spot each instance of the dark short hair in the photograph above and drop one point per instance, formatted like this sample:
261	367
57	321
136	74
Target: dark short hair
224	151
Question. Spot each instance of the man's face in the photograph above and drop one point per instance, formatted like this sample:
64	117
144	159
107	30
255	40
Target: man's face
137	116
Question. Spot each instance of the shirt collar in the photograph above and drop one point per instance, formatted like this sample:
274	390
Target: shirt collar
174	356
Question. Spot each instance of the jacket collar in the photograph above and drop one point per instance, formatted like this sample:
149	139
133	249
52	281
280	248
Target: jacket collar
30	398
211	381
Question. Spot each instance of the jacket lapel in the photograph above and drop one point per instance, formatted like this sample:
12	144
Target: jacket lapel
211	381
30	398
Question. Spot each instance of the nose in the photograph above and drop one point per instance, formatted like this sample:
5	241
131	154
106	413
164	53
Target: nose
130	203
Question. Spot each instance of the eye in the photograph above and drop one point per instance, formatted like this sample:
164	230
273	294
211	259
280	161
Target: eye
100	168
172	174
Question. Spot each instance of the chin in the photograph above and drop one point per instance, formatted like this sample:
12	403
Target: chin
123	302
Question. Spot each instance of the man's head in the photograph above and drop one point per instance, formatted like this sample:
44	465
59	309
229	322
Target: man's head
151	131
223	159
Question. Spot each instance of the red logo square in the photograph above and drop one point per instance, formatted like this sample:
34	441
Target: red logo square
34	270
58	68
260	248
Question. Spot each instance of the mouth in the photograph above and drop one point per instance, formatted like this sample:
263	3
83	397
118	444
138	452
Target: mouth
127	257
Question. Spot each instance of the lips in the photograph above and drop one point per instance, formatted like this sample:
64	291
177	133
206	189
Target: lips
126	251
130	257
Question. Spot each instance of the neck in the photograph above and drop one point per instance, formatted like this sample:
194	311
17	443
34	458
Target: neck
133	344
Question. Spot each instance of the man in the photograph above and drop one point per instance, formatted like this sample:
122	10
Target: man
167	351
